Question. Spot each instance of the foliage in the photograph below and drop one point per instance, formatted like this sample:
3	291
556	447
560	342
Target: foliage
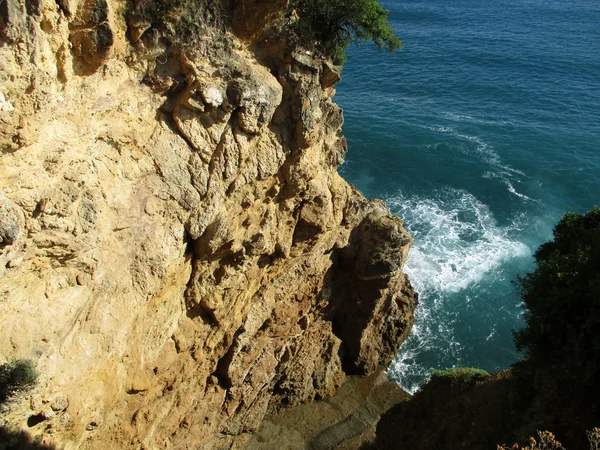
180	20
377	255
460	374
562	300
593	436
15	376
334	24
547	441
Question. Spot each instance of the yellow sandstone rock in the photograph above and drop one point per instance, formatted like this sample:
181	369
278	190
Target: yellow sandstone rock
178	253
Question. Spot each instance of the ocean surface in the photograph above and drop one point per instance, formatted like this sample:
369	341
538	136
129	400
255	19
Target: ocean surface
480	134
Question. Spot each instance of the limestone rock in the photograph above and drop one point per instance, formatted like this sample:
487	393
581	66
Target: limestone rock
252	17
92	45
4	104
307	111
377	312
9	222
13	18
178	252
257	99
68	6
60	402
304	63
330	74
91	34
347	420
213	96
139	382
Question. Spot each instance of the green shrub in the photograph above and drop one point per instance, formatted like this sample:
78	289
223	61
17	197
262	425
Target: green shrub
15	376
330	26
377	255
180	21
562	301
460	374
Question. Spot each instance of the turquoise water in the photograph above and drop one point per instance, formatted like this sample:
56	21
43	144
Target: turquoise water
480	134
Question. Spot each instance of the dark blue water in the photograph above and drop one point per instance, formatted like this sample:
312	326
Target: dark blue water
480	133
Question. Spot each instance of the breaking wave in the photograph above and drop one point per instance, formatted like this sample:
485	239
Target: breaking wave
457	243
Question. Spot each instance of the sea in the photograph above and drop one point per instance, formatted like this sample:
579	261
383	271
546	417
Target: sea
480	134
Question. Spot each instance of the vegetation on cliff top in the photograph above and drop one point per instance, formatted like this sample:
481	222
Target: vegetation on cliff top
554	388
326	27
547	441
562	301
330	26
182	20
460	374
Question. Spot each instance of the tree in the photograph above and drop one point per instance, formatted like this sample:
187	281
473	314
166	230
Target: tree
562	298
334	24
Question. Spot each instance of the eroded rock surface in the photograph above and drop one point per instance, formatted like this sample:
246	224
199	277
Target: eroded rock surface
345	421
178	253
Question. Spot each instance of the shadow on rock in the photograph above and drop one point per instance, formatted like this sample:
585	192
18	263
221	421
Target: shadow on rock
17	440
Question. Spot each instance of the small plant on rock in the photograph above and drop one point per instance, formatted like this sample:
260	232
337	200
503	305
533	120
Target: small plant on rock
547	441
16	376
593	436
377	255
460	374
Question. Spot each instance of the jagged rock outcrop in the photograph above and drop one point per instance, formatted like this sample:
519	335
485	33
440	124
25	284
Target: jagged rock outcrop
178	253
345	421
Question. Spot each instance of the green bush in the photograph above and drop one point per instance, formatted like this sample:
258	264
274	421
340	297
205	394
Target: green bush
330	26
180	21
377	255
15	376
460	374
562	300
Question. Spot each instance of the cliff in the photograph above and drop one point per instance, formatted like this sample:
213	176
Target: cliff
178	253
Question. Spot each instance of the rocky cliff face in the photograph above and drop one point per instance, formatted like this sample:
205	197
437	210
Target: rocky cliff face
178	253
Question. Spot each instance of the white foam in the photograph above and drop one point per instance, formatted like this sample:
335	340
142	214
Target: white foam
512	190
486	151
470	119
487	154
457	243
504	177
457	240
